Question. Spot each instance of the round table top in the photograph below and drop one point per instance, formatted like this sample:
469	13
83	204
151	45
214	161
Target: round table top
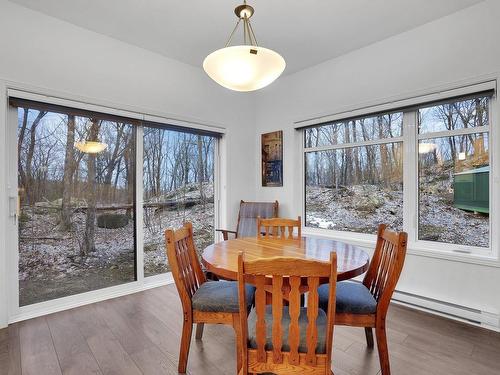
222	258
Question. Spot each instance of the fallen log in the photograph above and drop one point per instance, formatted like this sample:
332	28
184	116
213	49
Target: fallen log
168	205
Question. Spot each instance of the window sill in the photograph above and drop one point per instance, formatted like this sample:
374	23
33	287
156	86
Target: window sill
414	248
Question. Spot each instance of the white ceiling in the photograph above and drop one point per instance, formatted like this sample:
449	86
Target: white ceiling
305	32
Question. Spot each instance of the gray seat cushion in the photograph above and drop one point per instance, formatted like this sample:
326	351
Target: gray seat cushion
285	326
220	296
353	298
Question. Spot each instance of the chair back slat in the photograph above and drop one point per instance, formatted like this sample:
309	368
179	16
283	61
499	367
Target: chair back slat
183	261
294	309
312	316
286	279
187	270
278	227
277	301
260	308
386	265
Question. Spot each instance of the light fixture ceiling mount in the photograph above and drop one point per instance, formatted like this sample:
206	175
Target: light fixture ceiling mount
246	67
244	11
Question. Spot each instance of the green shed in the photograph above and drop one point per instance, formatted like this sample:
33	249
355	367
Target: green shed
472	190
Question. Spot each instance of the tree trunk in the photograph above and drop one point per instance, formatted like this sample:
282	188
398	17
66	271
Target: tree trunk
89	240
110	168
20	141
129	160
347	180
386	168
186	161
29	186
357	165
201	176
69	167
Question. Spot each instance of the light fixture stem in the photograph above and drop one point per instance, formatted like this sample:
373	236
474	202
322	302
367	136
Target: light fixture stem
231	36
245	29
252	34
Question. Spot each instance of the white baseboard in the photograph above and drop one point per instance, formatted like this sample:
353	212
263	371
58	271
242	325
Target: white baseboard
485	319
70	302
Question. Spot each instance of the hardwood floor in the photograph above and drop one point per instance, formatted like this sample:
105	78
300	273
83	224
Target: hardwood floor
140	334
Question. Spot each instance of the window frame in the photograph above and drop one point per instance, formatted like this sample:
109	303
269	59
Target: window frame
410	138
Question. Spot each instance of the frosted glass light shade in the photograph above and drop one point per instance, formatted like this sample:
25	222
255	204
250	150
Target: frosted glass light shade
91	147
244	68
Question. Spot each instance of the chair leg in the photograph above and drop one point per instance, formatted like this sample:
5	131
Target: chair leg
383	351
239	354
187	329
199	331
369	337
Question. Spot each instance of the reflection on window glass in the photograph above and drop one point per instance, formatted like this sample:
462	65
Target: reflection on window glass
464	114
178	187
355	189
76	196
454	190
352	131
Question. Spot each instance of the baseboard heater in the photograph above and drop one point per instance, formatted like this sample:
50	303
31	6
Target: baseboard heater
465	314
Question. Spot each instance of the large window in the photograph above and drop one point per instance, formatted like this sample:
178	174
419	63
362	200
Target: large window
354	174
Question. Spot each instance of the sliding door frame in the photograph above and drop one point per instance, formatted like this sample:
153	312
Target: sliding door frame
10	290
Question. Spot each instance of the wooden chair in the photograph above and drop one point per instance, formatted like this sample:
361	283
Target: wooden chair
366	304
277	227
202	301
280	338
249	211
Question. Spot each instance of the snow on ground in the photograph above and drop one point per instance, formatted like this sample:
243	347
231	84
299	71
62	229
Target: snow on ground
363	208
355	209
51	265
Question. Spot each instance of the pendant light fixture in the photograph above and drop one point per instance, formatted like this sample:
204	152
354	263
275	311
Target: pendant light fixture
246	67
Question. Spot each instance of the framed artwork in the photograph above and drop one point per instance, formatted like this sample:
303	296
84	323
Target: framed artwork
272	158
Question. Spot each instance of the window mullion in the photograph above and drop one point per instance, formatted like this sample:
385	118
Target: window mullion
410	174
494	181
453	133
340	146
139	202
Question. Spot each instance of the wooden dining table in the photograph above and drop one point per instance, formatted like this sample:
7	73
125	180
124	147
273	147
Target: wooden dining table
222	258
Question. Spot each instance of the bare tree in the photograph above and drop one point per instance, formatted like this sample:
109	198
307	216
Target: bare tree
69	168
89	239
20	141
29	183
201	176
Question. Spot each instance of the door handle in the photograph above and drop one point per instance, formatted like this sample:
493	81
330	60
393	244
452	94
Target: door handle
13	207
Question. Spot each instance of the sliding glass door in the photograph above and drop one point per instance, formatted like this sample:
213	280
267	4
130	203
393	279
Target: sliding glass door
178	186
76	204
79	177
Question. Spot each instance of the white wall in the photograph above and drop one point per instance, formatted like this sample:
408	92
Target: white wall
40	51
459	47
56	56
